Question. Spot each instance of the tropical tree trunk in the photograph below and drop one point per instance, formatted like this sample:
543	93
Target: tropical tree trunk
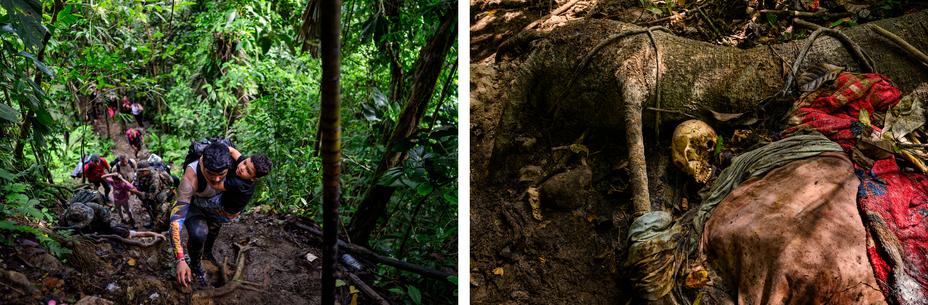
330	125
429	64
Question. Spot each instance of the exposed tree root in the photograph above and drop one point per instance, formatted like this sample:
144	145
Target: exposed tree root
902	43
229	286
100	238
240	262
224	290
807	14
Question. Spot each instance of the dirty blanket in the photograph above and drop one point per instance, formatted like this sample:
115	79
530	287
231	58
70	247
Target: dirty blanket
888	196
793	236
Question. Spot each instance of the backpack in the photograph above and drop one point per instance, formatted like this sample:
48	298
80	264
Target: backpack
86	195
195	150
131	162
165	178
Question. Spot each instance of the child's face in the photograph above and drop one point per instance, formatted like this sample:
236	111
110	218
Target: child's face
246	170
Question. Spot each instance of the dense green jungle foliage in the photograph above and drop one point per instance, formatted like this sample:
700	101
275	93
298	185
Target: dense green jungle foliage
237	69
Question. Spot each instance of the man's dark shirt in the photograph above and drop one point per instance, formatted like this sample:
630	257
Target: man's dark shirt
238	191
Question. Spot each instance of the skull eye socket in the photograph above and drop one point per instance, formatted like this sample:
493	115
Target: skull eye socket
709	144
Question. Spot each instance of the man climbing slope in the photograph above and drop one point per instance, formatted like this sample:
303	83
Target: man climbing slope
197	197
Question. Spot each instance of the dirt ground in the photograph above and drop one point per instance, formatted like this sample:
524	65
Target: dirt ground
129	274
574	254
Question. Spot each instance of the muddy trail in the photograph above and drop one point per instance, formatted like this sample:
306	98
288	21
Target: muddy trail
282	266
573	253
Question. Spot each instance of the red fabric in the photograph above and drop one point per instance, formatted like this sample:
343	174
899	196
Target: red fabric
900	198
95	173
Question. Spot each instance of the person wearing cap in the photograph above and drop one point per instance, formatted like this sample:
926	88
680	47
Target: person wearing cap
150	182
89	217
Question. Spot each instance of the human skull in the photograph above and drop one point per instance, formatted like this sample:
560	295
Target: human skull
693	142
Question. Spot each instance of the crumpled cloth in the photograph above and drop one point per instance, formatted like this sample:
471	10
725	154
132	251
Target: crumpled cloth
899	199
652	239
793	236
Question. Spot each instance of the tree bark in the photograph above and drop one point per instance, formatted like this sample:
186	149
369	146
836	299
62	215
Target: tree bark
429	64
696	76
330	126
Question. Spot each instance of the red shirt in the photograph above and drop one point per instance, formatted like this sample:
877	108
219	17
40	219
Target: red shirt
95	173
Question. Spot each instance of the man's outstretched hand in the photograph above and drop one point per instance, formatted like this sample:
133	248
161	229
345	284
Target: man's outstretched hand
183	273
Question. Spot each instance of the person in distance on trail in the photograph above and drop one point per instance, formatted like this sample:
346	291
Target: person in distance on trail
197	199
94	172
137	113
135	140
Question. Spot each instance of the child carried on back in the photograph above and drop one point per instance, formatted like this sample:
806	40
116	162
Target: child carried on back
238	188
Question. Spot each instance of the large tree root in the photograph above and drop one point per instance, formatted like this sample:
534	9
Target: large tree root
118	238
229	286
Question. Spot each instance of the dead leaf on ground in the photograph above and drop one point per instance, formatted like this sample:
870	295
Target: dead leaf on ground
535	201
697	279
818	75
498	271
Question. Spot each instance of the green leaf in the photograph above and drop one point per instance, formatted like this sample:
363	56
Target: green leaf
42	115
265	44
8	225
66	17
368	28
158	35
837	23
380	99
718	146
8	113
369	112
5	174
451	198
25	17
6	29
772	18
339	283
394	290
655	10
453	279
425	189
415	294
17	188
231	17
